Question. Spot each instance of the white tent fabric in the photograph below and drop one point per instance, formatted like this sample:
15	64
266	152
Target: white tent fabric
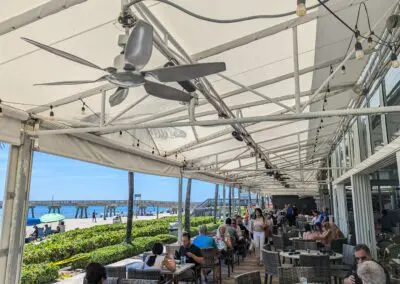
90	30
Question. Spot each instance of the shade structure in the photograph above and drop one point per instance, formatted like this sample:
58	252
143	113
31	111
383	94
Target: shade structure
32	221
51	218
259	80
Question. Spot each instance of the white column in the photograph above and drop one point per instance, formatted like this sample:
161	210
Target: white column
180	210
15	208
342	213
363	212
335	210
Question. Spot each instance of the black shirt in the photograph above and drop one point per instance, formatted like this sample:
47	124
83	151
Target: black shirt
243	228
353	272
183	251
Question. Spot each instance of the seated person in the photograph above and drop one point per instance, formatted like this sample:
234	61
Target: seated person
327	235
35	233
231	231
237	229
371	272
157	260
387	223
239	222
223	239
337	233
308	235
362	254
204	241
95	273
193	255
47	230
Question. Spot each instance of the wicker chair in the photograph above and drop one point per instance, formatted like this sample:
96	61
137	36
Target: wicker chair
171	249
210	256
110	280
272	262
305	244
337	245
396	239
145	274
310	273
116	271
292	234
287	275
279	243
391	251
139	281
320	263
348	254
249	277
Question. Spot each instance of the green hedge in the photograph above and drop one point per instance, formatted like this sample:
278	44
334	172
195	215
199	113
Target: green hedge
39	273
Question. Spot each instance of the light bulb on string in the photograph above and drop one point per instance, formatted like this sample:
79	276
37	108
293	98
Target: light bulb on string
1	110
322	121
343	70
359	50
152	151
51	112
370	42
394	62
120	133
301	9
83	109
138	143
325	100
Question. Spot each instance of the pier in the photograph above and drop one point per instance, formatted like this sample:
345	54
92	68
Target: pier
110	206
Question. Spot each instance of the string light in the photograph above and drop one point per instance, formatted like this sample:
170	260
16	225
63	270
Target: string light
370	42
83	109
301	9
120	133
138	143
51	112
1	110
359	50
343	70
393	58
152	151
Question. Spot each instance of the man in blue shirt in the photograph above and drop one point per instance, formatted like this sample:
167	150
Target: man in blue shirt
204	241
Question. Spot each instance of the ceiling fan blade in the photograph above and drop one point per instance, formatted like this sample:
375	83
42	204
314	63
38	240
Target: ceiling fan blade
61	53
71	82
166	92
119	96
139	46
186	72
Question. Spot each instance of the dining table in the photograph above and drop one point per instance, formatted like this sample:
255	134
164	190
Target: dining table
296	256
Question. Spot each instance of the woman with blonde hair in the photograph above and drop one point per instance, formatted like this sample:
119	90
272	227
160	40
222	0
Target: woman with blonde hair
223	239
327	235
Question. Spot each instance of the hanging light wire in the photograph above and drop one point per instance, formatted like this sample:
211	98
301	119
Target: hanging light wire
225	21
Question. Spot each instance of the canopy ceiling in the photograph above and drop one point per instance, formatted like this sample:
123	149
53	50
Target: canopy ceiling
90	30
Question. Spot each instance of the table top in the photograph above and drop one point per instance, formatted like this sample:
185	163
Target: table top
295	238
312	252
180	268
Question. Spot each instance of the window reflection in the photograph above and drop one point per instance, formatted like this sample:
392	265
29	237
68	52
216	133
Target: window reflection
392	98
376	123
363	134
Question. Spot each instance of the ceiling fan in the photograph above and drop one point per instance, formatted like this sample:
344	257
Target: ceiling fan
137	53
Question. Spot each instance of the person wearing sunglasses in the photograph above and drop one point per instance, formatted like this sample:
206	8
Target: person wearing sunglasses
362	254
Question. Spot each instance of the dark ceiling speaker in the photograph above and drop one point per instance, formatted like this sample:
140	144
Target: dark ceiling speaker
237	136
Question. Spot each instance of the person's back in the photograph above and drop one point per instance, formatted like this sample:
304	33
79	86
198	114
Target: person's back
204	241
386	222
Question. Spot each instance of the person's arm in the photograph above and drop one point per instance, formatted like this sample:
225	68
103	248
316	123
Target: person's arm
169	263
196	256
323	236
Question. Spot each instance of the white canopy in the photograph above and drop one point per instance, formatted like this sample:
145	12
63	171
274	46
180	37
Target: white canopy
263	62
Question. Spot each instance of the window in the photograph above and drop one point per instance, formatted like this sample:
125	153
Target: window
363	137
376	122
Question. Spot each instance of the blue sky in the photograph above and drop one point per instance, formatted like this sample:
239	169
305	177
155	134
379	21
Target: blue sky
70	179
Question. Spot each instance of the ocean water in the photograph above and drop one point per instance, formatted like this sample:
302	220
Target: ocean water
69	211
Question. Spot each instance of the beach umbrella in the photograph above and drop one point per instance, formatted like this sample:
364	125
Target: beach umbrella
32	221
50	218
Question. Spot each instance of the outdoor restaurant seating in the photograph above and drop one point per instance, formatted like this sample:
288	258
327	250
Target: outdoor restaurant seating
249	277
321	264
148	274
116	271
210	256
272	262
305	244
278	242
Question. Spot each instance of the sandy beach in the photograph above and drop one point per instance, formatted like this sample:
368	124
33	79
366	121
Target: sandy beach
71	224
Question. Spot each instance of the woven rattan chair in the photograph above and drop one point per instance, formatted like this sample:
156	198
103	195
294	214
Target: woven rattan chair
249	277
140	281
391	251
272	262
320	263
210	256
113	280
348	254
287	275
278	243
305	244
145	274
171	249
116	271
396	239
292	234
309	273
337	245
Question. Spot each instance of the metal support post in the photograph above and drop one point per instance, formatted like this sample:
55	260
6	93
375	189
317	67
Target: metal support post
216	203
180	209
296	69
230	201
363	212
223	202
15	210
